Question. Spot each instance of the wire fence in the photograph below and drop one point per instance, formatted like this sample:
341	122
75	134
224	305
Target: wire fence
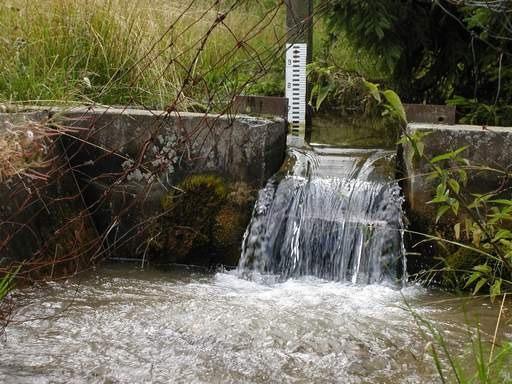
70	186
62	174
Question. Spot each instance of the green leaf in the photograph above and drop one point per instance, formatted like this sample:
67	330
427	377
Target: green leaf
474	276
441	189
449	155
395	103
374	90
463	176
496	289
420	148
322	95
479	285
502	234
459	151
439	199
441	211
502	201
454	185
484	268
404	140
444	156
455	205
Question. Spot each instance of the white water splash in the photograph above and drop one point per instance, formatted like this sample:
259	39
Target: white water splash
309	222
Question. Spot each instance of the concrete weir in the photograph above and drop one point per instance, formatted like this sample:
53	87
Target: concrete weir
132	166
241	148
180	187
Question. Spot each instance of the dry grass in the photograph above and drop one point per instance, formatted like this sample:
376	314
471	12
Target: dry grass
22	150
26	149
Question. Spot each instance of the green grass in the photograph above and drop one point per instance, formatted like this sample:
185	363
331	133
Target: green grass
6	285
124	52
484	359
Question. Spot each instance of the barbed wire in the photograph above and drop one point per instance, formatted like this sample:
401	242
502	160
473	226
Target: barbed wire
35	192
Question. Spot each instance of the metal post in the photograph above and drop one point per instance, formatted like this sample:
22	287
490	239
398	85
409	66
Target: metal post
299	23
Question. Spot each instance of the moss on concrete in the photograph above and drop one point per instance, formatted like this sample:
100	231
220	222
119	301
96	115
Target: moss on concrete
203	221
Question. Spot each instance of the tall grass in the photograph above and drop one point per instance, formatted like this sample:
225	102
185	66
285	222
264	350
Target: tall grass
483	360
135	51
6	284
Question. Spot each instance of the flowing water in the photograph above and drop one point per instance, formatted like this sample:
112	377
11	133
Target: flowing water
317	298
330	215
123	325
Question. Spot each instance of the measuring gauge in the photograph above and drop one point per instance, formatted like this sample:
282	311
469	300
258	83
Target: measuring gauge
296	58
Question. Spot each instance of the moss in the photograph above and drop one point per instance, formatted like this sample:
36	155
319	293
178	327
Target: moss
204	221
200	183
207	190
228	232
186	227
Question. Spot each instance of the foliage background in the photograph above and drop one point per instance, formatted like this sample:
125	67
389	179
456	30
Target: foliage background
436	52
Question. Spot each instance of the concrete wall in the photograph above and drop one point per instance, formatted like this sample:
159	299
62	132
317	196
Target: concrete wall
487	146
240	148
125	161
490	147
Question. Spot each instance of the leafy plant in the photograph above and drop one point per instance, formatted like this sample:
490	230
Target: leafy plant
388	100
323	80
436	51
480	222
475	112
336	89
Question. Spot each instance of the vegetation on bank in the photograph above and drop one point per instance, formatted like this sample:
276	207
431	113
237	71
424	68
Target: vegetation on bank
120	52
199	55
123	52
474	253
439	51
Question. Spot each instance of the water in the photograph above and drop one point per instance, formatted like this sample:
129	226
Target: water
330	214
314	300
123	325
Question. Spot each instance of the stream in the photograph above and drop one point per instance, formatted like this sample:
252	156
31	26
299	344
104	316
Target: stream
317	297
124	325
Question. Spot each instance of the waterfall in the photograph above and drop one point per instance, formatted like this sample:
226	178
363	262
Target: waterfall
327	214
